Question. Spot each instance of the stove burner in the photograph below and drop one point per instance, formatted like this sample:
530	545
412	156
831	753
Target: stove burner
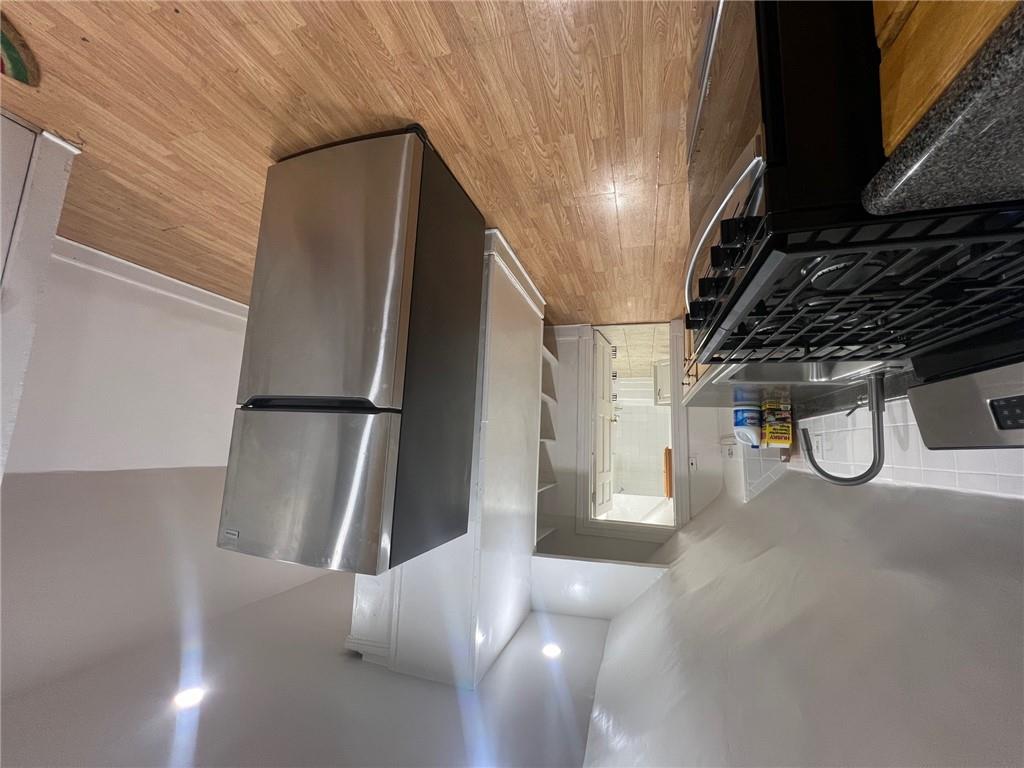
884	288
846	275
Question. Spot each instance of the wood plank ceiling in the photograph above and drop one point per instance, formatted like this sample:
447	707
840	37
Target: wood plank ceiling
564	121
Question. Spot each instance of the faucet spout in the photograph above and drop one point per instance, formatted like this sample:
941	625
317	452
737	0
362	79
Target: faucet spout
876	405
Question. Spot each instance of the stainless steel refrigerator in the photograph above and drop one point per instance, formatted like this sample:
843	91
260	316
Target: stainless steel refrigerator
354	440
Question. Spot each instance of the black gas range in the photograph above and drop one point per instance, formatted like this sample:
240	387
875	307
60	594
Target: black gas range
874	288
788	266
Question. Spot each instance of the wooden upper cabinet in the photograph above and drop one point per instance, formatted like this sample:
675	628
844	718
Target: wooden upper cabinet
924	47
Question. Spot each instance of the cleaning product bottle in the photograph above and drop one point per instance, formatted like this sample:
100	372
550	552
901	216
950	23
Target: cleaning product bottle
776	420
746	417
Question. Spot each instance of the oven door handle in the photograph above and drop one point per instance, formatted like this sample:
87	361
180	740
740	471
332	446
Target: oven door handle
752	171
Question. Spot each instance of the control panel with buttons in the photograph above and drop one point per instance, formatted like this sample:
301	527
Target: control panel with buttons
1008	412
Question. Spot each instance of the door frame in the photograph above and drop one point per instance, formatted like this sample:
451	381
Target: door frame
586	524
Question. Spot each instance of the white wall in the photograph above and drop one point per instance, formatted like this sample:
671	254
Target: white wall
705	429
94	563
592	588
27	262
818	625
282	692
129	370
639	439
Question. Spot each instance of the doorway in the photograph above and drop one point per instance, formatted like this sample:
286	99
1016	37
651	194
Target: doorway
632	456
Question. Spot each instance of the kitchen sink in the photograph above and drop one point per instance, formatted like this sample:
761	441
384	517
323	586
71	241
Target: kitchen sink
801	381
838	373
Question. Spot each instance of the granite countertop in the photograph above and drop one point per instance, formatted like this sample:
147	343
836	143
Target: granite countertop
969	147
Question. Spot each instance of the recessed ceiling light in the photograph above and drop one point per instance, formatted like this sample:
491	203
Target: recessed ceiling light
551	650
189	697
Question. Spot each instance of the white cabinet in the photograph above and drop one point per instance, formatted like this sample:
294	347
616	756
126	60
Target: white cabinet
447	614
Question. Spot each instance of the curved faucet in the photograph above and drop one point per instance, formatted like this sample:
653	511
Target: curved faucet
876	404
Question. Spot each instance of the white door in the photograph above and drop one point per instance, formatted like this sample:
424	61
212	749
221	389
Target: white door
604	411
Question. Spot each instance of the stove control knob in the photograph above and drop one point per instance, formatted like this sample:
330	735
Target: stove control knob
724	257
738	231
712	287
701	309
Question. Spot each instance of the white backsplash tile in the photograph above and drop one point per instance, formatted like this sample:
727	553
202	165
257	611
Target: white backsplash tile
1010	463
899	412
984	461
937	459
906	475
902	445
1011	485
761	468
971	481
846	450
862	446
938	478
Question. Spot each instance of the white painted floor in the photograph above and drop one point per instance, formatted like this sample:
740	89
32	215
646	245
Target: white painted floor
280	691
633	508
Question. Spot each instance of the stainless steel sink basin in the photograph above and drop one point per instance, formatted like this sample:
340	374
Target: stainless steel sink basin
802	381
822	373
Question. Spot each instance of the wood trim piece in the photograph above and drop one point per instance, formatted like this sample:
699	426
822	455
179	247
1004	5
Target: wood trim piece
890	16
666	471
937	41
496	245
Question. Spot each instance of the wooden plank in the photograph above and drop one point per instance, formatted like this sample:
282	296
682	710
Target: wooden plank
935	43
561	121
890	16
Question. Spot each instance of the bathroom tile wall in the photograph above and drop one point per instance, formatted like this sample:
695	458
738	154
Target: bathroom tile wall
843	445
639	438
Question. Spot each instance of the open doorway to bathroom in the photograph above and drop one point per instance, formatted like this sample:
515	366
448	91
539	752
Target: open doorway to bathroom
632	457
